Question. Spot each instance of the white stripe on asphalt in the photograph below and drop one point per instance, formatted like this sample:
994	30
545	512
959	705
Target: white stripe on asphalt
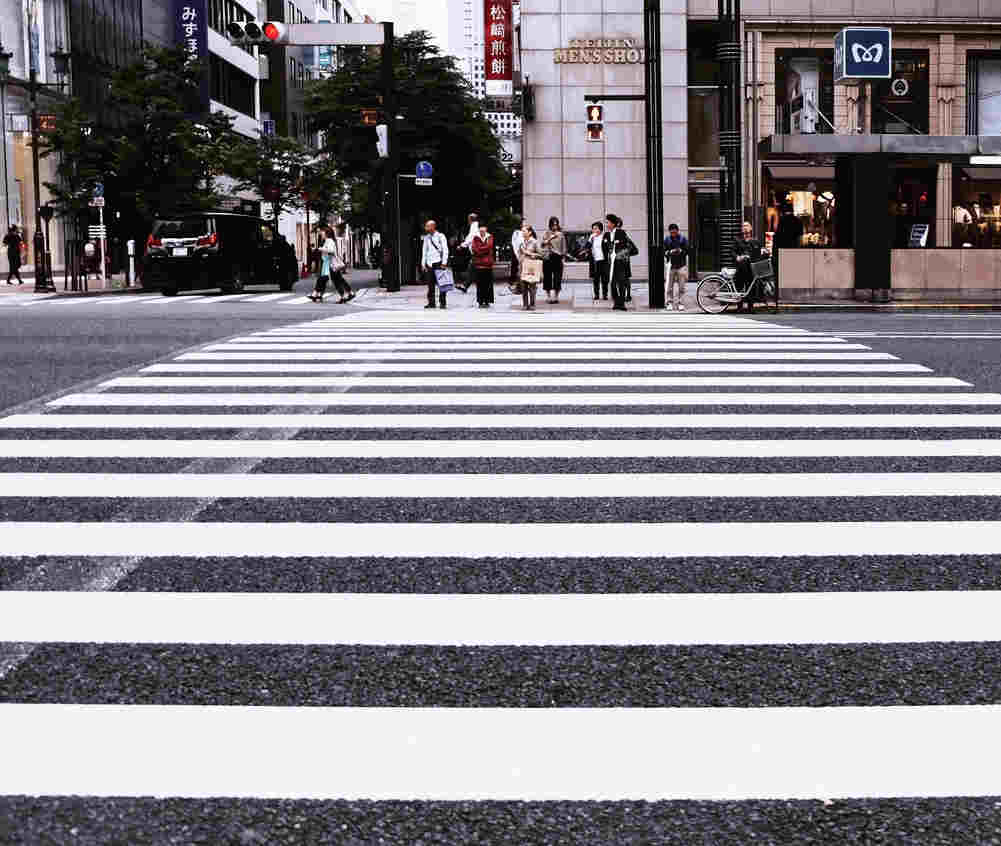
540	346
539	422
530	367
500	753
507	540
496	486
111	400
270	298
447	381
500	619
231	352
452	449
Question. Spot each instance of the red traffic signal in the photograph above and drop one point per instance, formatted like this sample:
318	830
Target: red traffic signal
595	122
275	32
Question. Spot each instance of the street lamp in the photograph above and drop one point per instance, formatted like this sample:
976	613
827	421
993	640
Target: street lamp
4	76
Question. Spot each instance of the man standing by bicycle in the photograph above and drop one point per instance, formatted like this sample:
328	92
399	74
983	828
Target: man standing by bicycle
746	250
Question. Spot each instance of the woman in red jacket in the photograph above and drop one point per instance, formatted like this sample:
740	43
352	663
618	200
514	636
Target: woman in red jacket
482	249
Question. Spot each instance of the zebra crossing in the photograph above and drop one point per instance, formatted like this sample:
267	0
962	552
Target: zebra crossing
152	300
464	560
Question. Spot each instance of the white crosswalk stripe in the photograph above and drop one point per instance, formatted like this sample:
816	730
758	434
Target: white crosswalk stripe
499	557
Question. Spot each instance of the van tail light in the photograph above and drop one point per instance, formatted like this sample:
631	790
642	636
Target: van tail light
153	242
209	240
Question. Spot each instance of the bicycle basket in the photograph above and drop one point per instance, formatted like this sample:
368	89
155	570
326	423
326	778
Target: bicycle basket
762	269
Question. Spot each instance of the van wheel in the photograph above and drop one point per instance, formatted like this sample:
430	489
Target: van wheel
237	282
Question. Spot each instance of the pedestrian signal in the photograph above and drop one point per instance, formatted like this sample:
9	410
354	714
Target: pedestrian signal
252	32
595	122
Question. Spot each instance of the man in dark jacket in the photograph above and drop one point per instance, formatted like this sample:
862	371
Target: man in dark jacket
617	248
12	241
676	250
746	250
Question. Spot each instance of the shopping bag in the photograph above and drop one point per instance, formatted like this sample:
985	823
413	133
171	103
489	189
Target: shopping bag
531	270
446	281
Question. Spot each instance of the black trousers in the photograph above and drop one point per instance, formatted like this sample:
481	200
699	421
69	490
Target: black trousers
484	277
14	268
620	285
600	279
340	283
433	287
552	273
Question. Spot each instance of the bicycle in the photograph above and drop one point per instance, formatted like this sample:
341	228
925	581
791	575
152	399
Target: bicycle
718	291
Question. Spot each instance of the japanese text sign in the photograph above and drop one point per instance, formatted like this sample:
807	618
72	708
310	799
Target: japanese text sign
499	53
191	32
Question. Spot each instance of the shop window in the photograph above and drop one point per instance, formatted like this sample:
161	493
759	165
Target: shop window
703	94
912	201
900	104
983	93
804	92
801	207
976	207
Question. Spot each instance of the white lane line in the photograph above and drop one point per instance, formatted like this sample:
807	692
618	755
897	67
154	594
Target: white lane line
540	346
477	449
270	298
188	400
297	301
491	540
497	486
501	619
201	366
509	754
446	381
539	422
237	352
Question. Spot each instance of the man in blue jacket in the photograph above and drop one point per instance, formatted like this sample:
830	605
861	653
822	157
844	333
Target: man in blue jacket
676	251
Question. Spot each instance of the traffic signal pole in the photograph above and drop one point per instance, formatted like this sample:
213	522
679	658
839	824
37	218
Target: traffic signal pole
391	239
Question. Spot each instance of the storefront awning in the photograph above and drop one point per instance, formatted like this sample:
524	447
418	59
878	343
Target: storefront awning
898	145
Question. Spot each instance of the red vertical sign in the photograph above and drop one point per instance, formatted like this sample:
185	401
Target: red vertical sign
499	54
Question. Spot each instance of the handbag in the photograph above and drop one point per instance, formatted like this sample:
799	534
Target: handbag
531	270
446	281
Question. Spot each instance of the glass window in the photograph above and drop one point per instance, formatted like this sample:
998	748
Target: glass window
912	201
801	207
804	91
900	104
703	127
983	87
976	207
703	67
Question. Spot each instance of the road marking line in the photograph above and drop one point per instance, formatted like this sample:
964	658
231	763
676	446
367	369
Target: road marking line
226	352
501	619
270	298
254	343
477	449
570	351
507	540
446	381
215	366
496	486
123	400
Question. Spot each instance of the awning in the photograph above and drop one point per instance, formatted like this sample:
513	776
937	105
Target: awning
959	146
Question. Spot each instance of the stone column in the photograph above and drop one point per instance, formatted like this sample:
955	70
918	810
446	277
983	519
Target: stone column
943	206
946	88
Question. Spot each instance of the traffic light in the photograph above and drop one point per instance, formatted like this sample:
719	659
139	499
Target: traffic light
252	32
382	140
595	122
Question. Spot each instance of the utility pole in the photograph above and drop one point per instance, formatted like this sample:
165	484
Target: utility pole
731	209
654	153
391	275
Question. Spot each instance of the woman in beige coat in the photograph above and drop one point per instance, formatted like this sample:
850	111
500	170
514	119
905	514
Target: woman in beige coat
530	249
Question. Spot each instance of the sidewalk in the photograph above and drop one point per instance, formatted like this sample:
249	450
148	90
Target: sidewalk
114	284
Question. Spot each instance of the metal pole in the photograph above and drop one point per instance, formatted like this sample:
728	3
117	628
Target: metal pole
730	184
38	241
104	246
654	154
6	179
392	163
755	128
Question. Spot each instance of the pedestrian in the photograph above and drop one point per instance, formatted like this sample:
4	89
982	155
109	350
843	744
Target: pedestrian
466	248
434	256
517	239
340	263
482	247
554	248
618	247
530	261
597	266
676	249
12	241
746	250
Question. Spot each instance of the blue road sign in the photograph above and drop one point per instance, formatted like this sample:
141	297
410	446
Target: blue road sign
98	189
424	170
863	53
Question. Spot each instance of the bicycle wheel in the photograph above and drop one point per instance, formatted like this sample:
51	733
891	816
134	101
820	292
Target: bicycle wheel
708	290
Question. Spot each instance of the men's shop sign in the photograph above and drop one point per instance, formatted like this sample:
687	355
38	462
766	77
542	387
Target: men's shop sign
610	51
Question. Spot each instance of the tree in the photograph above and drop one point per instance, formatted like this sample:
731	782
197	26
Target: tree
442	122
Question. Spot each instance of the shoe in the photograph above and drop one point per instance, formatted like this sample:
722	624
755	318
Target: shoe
350	297
429	306
679	307
669	307
605	299
341	301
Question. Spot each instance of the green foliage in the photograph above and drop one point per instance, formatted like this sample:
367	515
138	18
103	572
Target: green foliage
271	166
443	123
85	157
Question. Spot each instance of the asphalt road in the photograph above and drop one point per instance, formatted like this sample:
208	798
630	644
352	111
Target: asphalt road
752	546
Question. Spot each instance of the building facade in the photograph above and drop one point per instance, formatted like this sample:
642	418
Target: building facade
892	183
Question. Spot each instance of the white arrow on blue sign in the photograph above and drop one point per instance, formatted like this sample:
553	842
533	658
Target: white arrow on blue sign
424	170
98	189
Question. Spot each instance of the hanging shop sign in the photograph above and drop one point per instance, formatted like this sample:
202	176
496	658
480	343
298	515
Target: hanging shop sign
191	32
609	51
498	44
863	53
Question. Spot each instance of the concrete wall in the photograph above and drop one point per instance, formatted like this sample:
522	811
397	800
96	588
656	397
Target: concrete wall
581	181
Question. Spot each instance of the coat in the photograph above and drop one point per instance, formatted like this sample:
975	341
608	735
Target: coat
621	242
553	244
483	252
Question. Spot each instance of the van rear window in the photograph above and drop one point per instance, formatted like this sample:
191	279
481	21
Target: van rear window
191	227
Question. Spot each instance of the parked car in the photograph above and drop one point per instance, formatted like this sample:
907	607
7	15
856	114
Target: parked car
216	249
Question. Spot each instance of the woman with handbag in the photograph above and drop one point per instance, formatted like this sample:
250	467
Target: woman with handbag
530	260
554	247
332	268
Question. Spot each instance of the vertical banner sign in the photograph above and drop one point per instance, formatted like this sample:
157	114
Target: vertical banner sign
498	41
34	50
191	32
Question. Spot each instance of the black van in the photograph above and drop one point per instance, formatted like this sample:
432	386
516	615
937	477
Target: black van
216	249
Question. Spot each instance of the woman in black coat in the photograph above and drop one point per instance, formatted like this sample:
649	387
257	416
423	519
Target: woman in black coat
618	248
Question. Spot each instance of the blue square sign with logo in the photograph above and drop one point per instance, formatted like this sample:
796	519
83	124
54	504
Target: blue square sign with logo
863	53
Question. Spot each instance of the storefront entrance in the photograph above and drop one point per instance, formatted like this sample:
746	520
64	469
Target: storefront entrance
703	214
